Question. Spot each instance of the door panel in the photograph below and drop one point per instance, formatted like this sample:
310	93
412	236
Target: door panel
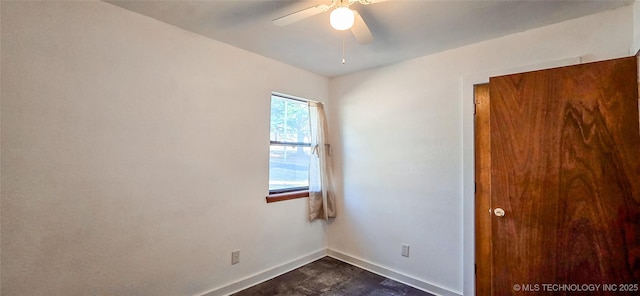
565	167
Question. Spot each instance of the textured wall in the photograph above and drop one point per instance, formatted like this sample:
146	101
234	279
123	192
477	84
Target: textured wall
402	135
135	156
636	28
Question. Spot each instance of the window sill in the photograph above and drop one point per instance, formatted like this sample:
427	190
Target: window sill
287	196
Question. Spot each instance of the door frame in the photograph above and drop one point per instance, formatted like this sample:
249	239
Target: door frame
483	236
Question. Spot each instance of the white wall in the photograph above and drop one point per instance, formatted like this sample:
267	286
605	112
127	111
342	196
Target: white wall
403	146
636	28
135	156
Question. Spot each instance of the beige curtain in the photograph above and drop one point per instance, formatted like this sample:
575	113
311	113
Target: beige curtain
322	203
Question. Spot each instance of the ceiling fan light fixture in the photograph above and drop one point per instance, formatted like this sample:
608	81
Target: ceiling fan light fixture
342	18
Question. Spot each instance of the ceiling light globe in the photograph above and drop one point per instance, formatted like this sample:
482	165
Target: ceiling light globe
342	18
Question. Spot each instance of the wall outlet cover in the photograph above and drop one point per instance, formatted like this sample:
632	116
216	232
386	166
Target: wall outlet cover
405	250
235	257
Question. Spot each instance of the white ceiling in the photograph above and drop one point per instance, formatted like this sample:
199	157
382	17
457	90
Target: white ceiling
402	29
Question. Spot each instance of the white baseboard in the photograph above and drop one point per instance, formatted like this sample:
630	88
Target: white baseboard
394	275
265	275
291	265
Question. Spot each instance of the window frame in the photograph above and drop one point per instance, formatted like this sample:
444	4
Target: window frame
291	192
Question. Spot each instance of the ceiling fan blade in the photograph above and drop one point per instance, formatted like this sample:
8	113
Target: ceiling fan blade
300	15
360	30
367	2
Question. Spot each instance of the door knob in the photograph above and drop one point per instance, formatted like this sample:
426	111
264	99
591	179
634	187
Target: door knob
498	212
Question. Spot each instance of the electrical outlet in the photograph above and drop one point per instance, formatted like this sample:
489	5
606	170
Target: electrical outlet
235	257
405	250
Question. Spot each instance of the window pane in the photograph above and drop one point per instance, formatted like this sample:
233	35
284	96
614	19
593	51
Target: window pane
289	121
288	167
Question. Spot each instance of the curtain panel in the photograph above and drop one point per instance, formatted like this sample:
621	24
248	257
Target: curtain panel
322	204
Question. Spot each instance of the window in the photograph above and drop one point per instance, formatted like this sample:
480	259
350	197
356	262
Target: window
290	149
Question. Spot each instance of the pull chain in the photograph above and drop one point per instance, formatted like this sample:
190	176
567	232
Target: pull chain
344	61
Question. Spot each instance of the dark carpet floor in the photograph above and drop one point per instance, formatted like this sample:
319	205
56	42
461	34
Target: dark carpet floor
330	277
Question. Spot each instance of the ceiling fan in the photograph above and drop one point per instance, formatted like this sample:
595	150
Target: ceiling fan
341	18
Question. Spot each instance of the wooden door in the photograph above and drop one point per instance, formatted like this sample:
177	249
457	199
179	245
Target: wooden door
565	168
